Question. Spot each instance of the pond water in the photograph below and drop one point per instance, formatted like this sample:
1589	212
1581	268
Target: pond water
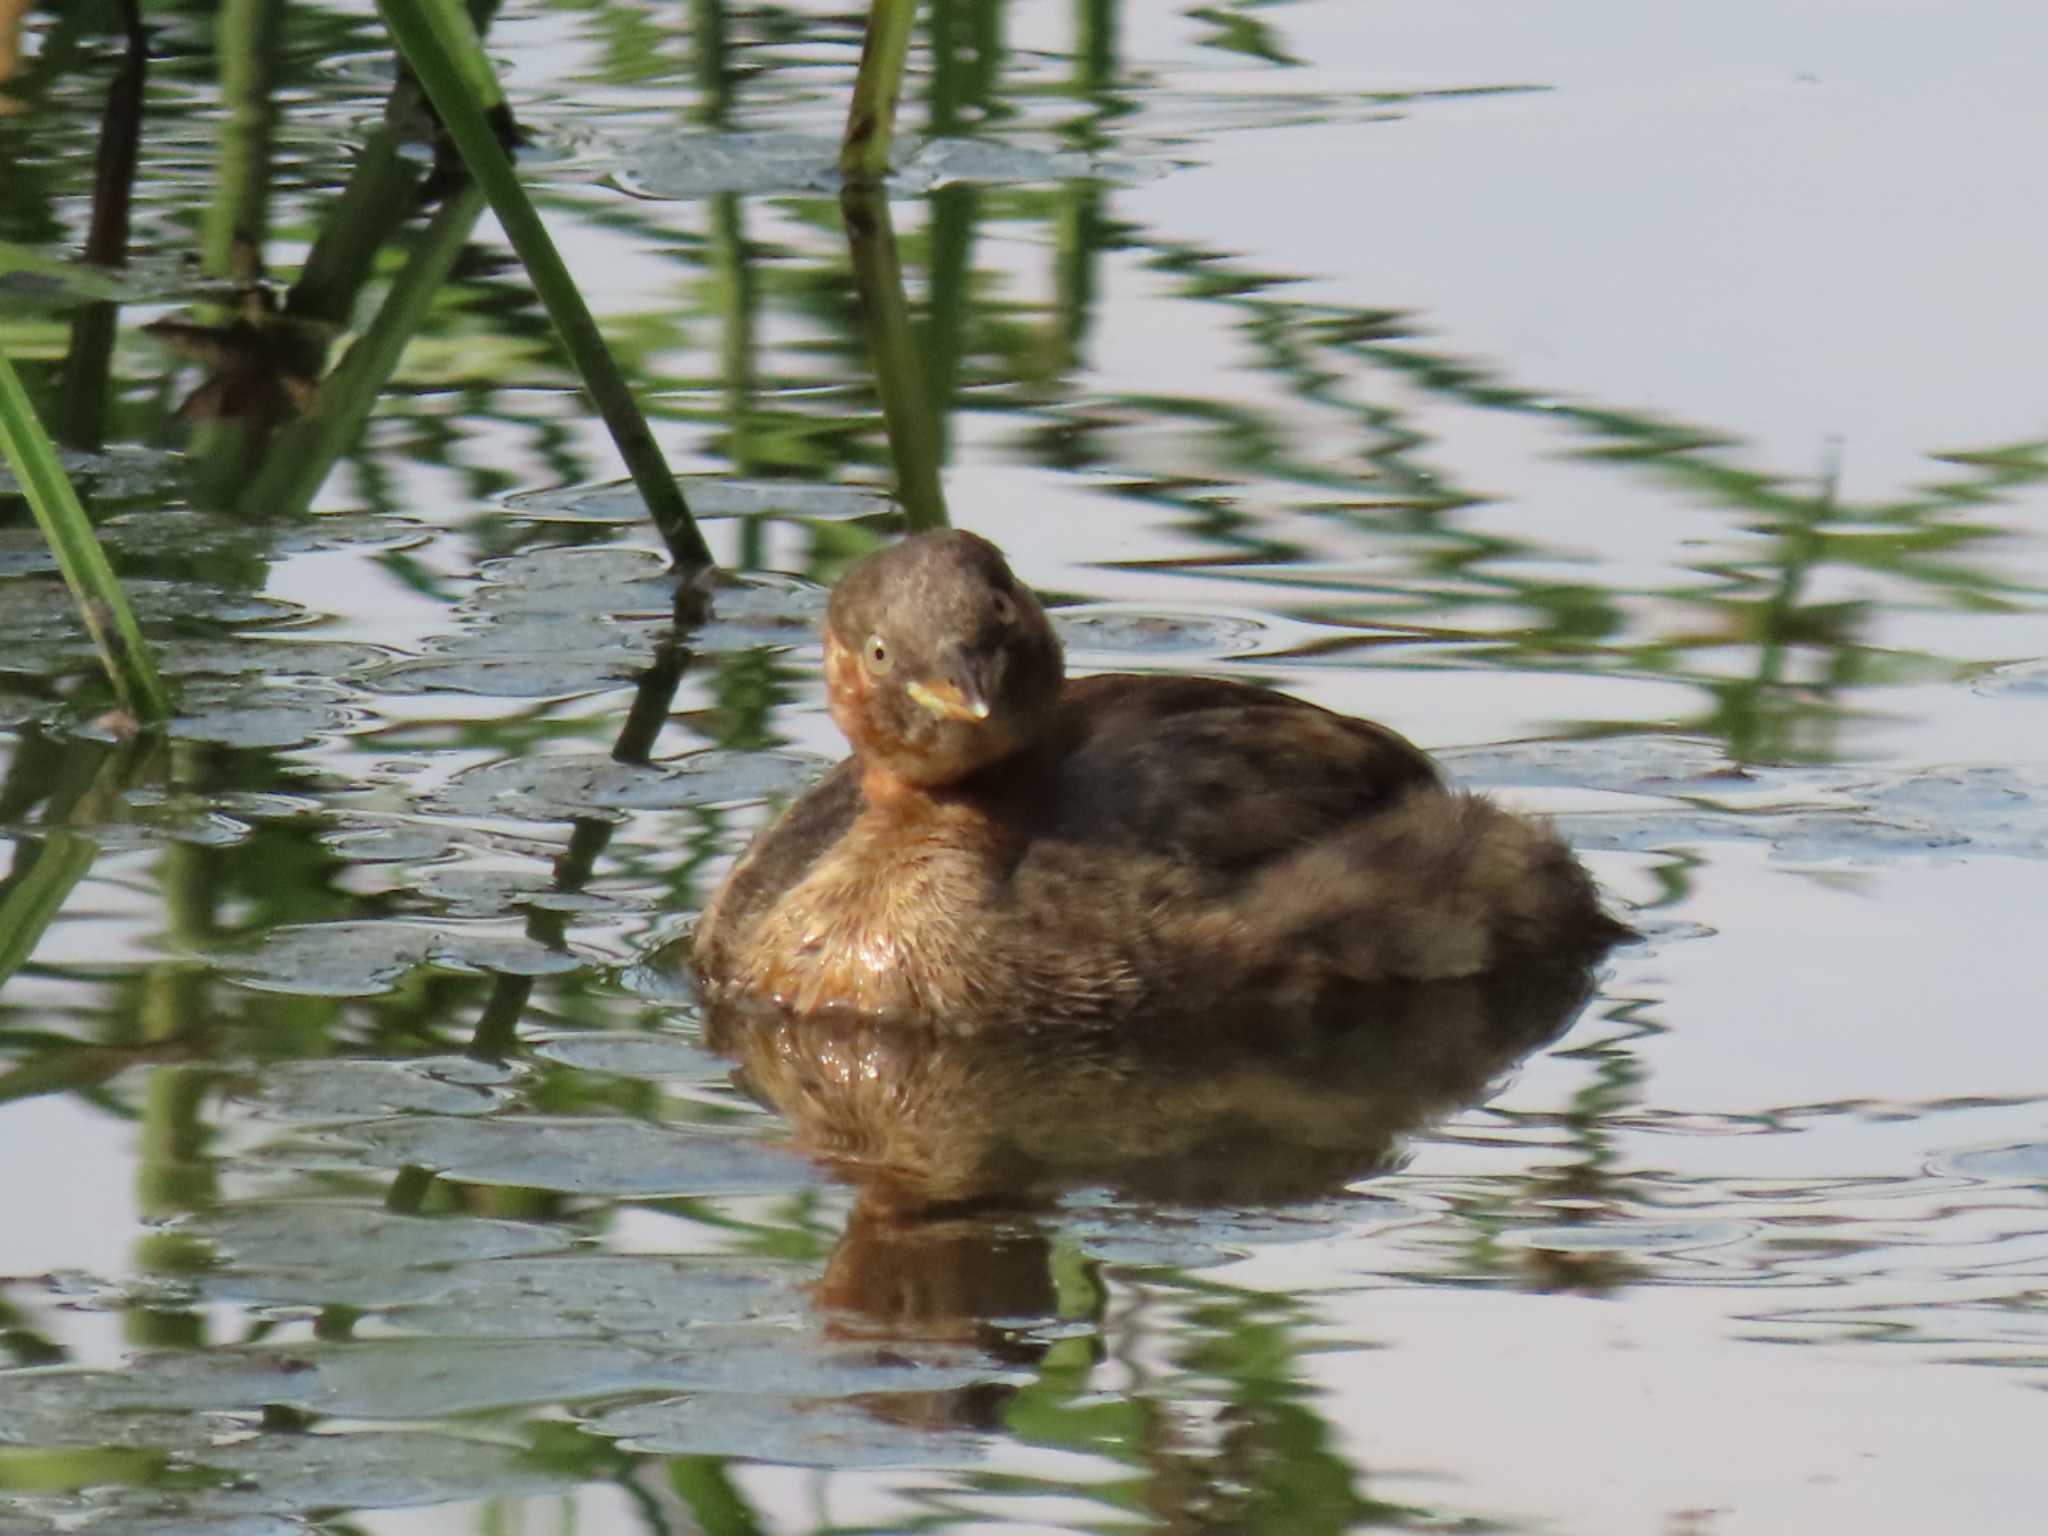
1640	406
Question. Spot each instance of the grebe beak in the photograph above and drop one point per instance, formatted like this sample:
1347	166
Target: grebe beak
950	701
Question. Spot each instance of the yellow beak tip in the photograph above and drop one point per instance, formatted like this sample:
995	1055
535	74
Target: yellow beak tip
947	702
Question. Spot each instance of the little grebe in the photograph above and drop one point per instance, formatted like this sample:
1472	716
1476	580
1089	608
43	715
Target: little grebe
1006	846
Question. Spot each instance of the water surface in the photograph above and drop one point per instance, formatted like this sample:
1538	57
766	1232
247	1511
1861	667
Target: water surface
1641	410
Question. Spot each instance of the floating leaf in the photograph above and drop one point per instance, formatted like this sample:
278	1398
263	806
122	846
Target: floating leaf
2019	679
358	959
466	890
655	1057
183	532
269	726
709	496
605	579
407	842
216	1523
2023	1162
1631	1237
421	1377
306	1254
270	658
317	1473
585	1156
564	787
939	162
603	1295
20	708
764	164
364	959
375	1378
787	1431
319	1233
349	1090
760	610
24	551
555	675
703	164
1126	632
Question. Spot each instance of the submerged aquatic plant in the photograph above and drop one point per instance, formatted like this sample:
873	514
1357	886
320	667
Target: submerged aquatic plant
123	651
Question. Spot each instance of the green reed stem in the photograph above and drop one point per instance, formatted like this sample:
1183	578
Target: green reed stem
871	120
123	651
442	47
910	416
307	449
47	871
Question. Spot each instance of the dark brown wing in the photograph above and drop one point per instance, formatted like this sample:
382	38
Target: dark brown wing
1221	776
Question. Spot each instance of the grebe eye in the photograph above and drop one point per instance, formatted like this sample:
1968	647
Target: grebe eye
1004	607
876	655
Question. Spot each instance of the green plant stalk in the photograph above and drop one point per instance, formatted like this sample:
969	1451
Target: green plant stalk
871	119
381	193
123	651
949	278
1095	44
250	33
710	53
235	224
31	899
78	784
305	451
909	414
736	286
78	416
442	47
382	190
